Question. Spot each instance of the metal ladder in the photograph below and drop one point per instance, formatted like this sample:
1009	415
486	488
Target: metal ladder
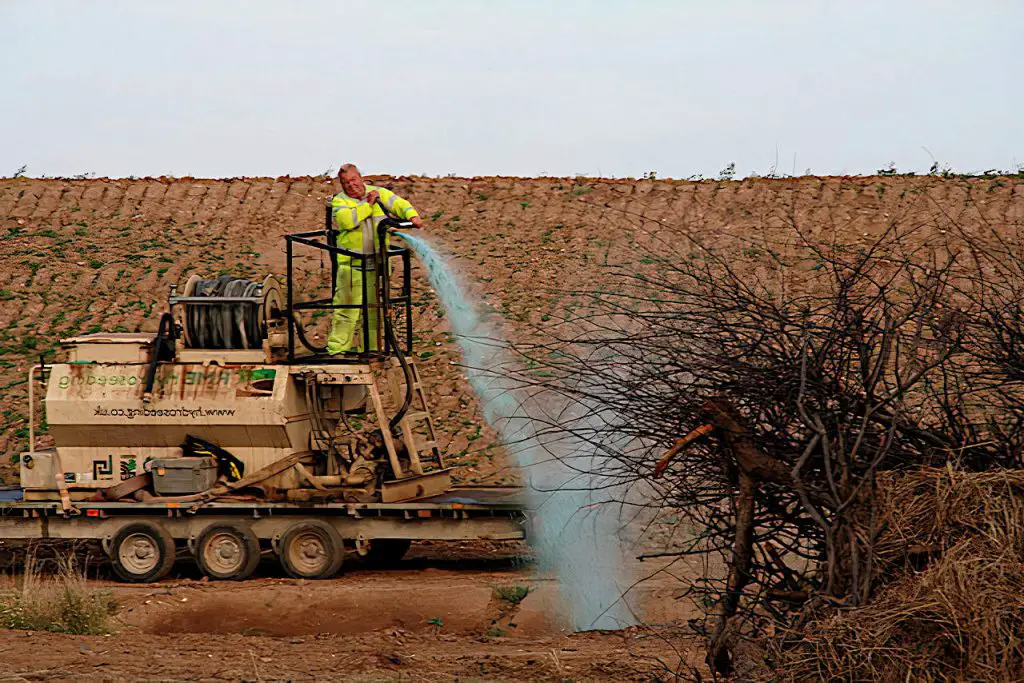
419	412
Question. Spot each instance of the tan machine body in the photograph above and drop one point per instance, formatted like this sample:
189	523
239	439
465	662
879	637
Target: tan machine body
247	401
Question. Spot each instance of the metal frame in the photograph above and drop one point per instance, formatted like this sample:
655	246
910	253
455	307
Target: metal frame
384	304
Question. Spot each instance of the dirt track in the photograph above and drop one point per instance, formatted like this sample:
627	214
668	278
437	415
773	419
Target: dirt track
434	618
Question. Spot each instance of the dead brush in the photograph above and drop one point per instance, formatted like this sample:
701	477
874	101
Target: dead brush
59	602
952	596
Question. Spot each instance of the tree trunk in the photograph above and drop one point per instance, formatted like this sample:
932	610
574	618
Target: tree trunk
719	649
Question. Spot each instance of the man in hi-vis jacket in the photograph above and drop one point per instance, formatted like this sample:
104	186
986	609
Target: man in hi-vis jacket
357	211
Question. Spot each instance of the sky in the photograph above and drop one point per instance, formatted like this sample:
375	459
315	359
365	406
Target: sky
512	87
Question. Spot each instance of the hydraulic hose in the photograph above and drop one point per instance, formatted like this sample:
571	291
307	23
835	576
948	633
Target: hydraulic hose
389	330
165	332
406	370
302	336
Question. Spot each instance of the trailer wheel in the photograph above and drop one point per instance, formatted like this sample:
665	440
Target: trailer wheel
228	551
387	552
142	552
311	550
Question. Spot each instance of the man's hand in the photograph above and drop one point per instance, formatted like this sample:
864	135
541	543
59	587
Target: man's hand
417	222
373	197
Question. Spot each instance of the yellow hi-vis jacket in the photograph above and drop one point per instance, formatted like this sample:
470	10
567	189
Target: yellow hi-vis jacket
356	220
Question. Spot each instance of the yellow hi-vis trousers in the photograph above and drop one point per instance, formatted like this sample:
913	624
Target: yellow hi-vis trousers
346	323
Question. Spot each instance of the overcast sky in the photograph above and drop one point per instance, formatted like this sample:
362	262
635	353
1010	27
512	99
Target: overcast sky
510	87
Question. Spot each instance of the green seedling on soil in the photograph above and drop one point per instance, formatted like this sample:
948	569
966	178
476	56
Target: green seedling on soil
15	383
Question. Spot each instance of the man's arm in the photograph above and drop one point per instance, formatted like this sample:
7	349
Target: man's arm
401	207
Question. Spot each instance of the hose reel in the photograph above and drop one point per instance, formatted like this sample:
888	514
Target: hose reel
227	312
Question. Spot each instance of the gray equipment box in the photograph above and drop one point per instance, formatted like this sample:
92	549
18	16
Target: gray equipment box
179	476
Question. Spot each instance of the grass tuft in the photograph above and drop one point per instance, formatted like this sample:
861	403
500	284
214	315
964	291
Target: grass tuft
513	594
59	603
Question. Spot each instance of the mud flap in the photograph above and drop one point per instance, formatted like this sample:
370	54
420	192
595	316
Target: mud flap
417	486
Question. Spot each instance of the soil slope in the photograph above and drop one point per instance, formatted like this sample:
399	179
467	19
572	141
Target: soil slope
88	255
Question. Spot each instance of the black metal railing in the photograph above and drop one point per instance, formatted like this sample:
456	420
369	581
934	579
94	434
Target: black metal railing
376	272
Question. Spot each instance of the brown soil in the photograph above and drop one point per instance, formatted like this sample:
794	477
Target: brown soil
90	255
431	619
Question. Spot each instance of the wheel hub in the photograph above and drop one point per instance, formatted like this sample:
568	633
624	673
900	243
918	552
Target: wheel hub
139	554
224	553
310	551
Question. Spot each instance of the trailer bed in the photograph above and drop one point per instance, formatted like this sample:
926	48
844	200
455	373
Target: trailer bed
462	513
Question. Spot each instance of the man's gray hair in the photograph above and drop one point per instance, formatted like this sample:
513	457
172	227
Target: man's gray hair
345	168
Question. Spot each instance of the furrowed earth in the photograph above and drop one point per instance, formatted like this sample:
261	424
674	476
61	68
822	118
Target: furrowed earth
83	256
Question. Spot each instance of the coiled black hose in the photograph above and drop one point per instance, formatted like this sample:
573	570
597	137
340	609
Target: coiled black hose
224	325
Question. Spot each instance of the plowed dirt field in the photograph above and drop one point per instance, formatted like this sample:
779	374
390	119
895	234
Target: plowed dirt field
87	255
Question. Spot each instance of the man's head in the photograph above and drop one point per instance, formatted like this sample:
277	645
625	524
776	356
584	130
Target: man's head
351	181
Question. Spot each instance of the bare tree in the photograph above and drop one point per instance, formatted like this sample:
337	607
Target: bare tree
762	390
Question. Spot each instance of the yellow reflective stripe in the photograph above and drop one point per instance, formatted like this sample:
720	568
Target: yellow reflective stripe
390	202
355	216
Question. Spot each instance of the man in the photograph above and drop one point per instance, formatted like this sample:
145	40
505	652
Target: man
357	212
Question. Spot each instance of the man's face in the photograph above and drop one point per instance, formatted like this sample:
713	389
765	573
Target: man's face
353	185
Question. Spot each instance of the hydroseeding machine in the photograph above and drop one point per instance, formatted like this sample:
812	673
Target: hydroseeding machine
229	434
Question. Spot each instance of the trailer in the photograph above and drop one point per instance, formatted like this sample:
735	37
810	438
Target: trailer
230	434
227	539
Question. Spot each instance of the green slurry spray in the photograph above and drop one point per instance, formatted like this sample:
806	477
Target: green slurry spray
575	529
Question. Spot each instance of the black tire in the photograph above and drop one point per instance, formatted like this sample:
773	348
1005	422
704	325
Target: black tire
142	552
227	551
311	550
386	552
